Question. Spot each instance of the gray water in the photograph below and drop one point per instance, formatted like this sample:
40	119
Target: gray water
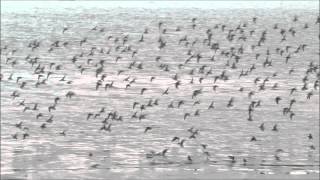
121	153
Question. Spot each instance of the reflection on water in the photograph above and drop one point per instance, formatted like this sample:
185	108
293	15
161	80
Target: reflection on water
88	152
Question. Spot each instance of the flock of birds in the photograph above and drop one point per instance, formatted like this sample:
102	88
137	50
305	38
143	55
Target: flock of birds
86	65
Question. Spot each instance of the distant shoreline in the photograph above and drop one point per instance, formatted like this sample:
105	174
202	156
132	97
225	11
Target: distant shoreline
27	6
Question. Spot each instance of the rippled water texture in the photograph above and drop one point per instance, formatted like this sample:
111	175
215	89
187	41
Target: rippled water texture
121	153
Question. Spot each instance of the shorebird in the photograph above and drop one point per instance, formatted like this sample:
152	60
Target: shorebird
63	133
186	115
70	94
232	158
275	127
261	127
106	128
181	143
147	129
230	103
175	138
